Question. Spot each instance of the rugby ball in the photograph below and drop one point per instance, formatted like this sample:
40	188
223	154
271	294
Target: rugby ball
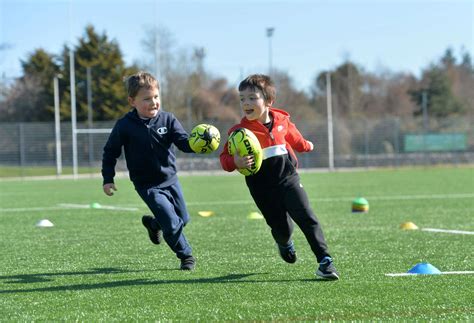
246	143
204	138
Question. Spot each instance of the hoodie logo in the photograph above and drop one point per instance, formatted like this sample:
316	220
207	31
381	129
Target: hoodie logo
162	130
279	128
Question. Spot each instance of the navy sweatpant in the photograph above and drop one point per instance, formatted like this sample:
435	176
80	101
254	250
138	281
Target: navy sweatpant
168	206
280	204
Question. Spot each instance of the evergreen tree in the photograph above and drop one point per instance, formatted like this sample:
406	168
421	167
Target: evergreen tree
107	69
31	98
440	100
448	58
466	62
346	86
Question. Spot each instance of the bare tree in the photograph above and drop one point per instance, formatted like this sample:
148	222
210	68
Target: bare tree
159	46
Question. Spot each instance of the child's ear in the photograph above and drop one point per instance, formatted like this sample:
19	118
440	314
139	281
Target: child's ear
130	101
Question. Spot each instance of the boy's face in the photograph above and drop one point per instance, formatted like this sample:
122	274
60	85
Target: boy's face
147	102
253	105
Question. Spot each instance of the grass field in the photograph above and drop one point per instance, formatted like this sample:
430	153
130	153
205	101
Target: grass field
18	171
97	264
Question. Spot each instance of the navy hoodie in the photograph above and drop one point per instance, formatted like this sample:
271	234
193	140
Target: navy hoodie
148	149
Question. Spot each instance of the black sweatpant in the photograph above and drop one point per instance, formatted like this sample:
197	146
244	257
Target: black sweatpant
280	204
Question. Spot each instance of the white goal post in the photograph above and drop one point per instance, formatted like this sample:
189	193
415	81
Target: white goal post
88	130
76	132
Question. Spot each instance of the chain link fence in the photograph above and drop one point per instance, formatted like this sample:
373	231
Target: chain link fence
358	142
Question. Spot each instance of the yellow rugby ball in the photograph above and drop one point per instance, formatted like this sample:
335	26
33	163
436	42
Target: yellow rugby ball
204	139
246	143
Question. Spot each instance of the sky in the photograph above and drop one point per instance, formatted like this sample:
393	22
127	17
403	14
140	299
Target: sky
309	36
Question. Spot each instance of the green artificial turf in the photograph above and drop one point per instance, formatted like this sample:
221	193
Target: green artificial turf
97	264
19	171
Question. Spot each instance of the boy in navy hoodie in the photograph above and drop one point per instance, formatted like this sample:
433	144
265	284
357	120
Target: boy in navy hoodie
146	134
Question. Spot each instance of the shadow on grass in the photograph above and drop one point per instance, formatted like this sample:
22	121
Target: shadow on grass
47	277
232	278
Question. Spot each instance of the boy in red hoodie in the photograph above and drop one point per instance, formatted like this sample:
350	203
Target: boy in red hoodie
276	187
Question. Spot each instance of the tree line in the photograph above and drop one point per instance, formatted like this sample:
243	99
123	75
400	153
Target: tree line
445	87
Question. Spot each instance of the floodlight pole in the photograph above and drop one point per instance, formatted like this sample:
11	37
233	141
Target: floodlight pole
72	80
57	126
270	31
330	122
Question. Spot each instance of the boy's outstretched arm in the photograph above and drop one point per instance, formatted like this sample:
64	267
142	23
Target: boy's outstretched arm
180	137
109	188
296	139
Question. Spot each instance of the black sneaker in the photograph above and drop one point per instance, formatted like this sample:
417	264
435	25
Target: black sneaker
153	228
288	253
327	270
188	263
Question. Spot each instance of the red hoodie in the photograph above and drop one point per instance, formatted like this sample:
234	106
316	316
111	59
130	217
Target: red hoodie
279	160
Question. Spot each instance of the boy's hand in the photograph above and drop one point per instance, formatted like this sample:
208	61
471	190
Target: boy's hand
311	145
243	161
108	188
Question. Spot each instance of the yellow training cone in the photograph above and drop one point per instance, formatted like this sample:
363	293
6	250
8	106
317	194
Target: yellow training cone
255	216
206	214
408	226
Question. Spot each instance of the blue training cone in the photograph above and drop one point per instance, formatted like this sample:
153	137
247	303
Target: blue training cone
424	268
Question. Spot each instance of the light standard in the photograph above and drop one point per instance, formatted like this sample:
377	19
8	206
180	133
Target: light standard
330	122
57	127
269	35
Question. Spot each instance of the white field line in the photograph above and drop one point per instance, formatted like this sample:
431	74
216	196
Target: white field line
342	199
118	208
75	206
66	207
442	273
424	197
105	207
24	209
249	201
447	231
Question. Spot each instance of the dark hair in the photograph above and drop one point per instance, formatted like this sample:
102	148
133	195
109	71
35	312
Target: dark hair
260	82
135	82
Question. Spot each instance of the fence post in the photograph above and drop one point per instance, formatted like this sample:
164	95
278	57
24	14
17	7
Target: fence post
396	134
366	142
57	126
89	114
21	135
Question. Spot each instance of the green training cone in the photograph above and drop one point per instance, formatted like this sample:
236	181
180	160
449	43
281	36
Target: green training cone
95	205
360	204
